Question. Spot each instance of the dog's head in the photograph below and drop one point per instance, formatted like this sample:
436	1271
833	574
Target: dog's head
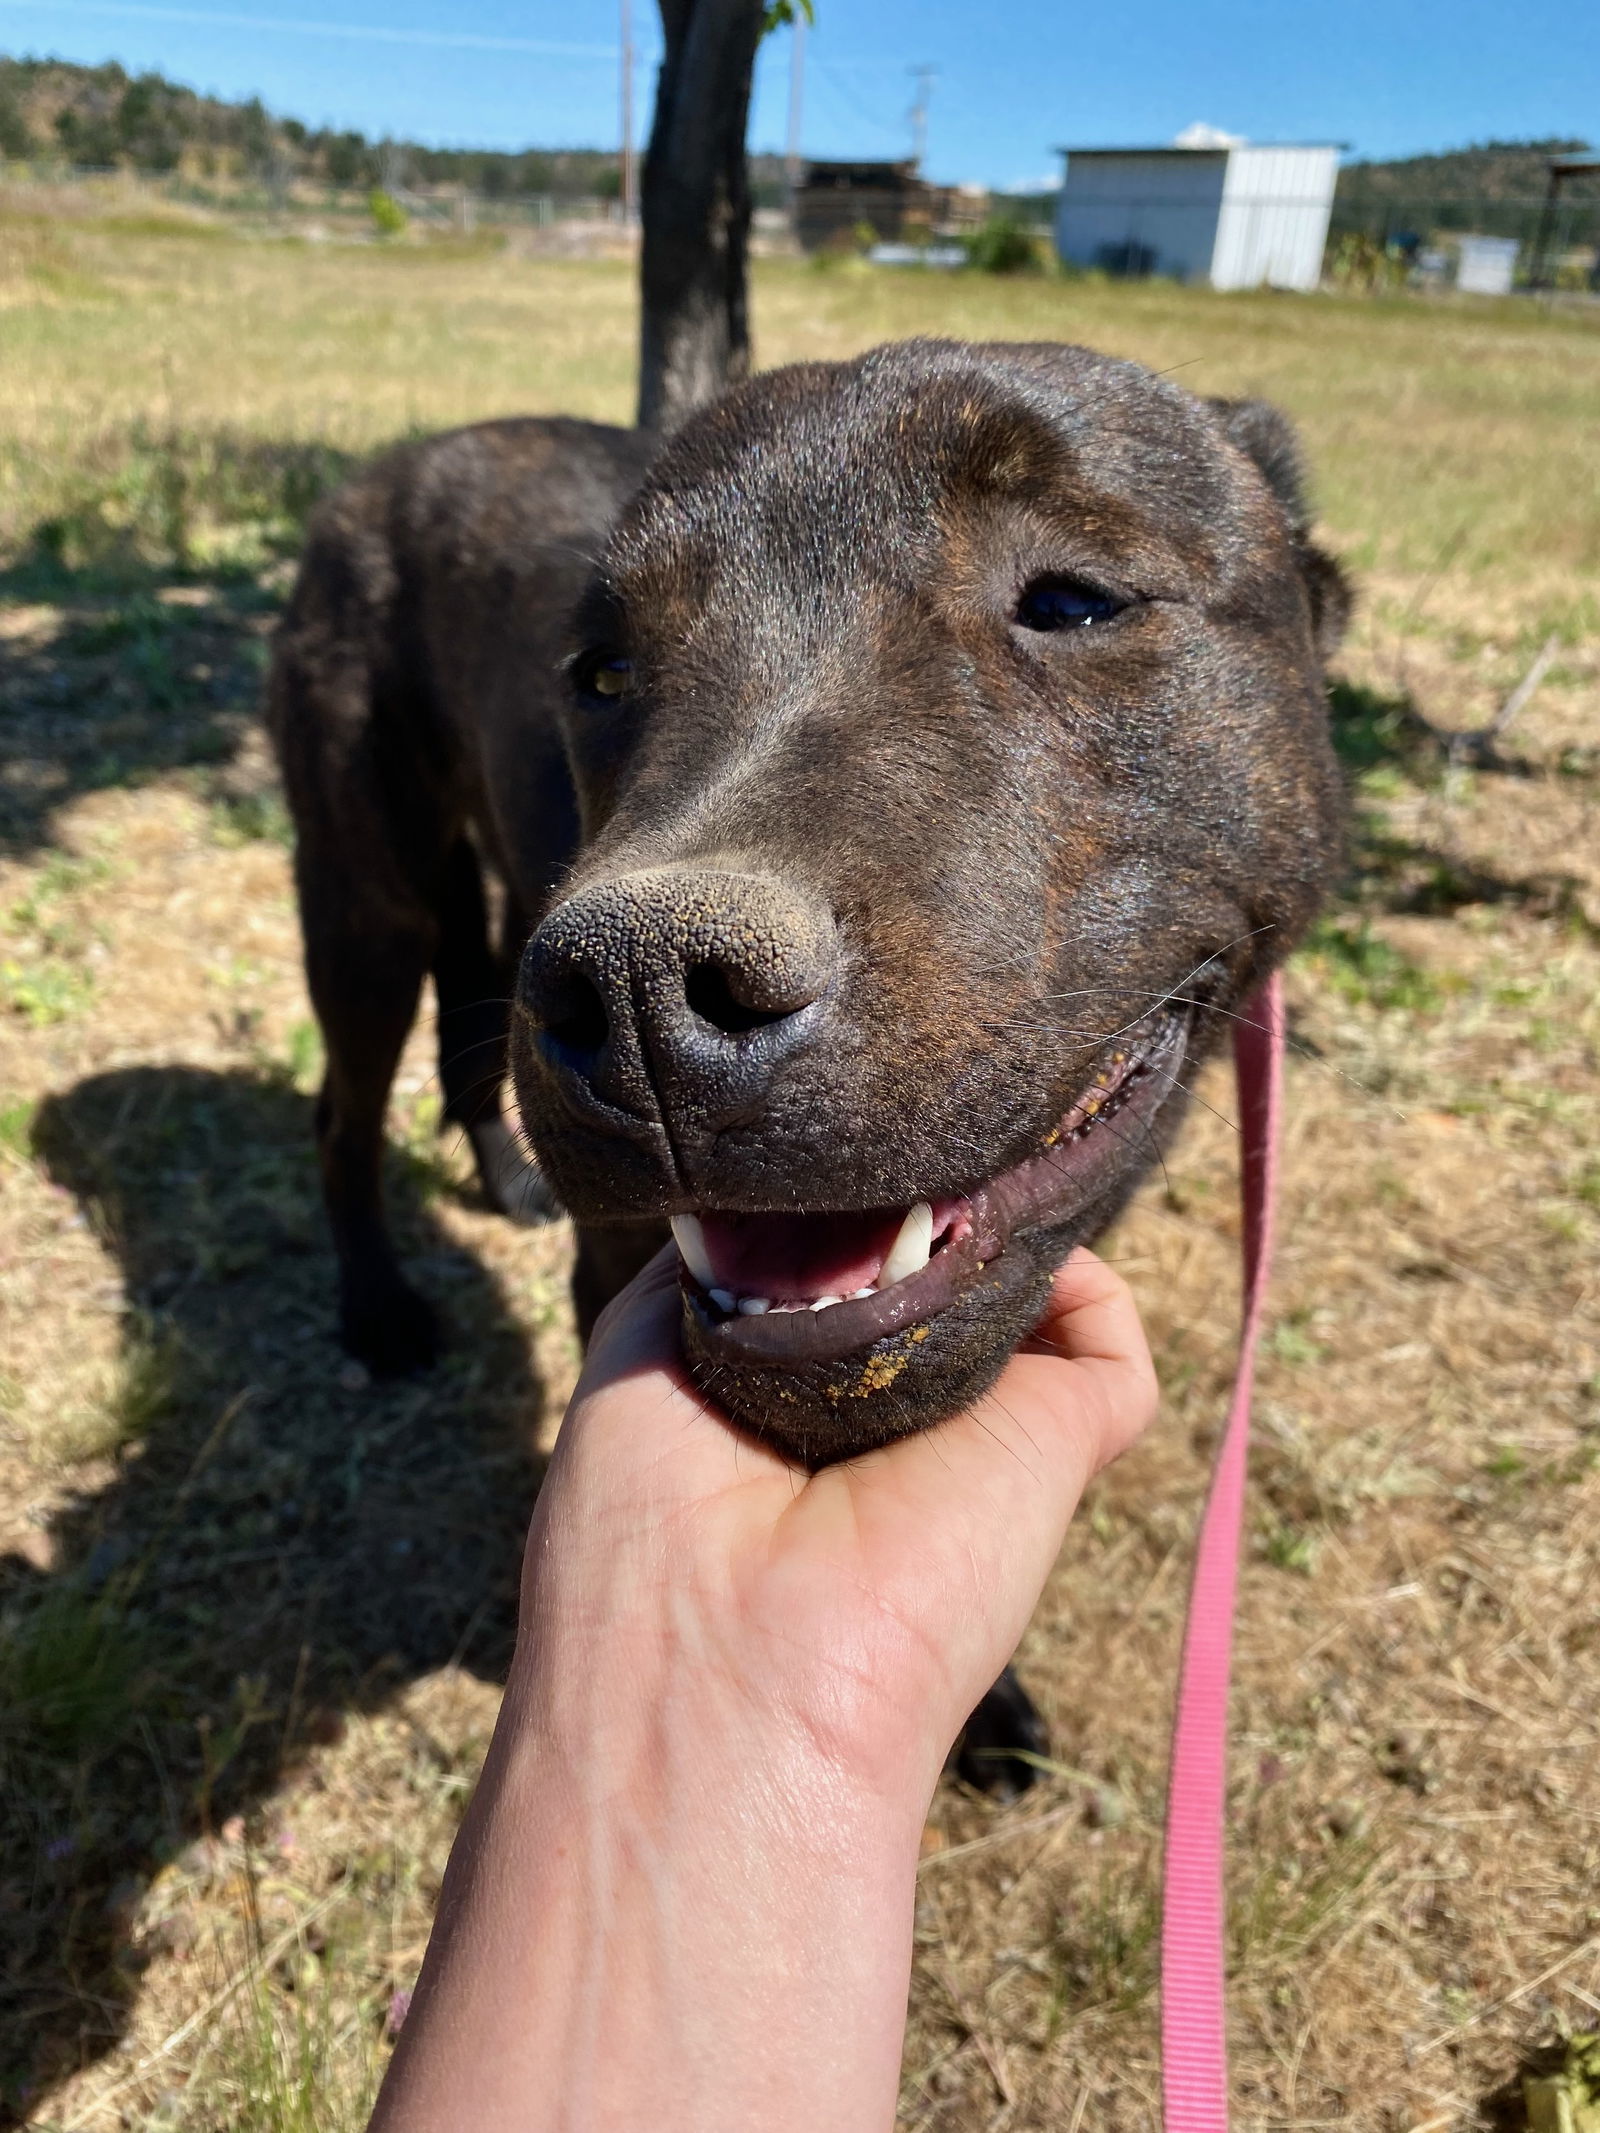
950	733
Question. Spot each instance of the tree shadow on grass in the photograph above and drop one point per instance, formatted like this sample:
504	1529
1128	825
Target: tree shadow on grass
112	688
275	1549
1375	731
141	611
1410	876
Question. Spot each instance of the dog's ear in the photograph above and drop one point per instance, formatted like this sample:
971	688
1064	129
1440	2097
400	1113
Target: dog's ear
1266	435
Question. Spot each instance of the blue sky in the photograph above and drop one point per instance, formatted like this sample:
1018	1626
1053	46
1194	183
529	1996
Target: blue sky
1015	77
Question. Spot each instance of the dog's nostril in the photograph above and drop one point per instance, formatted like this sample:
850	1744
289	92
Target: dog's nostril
713	999
575	1016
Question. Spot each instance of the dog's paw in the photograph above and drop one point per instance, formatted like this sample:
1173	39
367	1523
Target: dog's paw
512	1181
1004	1737
392	1330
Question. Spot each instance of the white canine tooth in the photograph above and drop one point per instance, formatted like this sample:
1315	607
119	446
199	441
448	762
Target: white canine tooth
790	1307
691	1242
753	1306
912	1249
857	1294
723	1299
822	1303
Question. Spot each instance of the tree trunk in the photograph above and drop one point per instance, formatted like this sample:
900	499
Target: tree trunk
695	201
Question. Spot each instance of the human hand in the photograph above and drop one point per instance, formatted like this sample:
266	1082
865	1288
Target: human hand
682	1896
860	1612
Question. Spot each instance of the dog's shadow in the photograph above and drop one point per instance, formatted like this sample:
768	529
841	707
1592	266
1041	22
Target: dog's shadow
275	1548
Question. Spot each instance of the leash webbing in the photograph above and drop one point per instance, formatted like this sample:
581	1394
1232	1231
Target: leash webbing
1194	2043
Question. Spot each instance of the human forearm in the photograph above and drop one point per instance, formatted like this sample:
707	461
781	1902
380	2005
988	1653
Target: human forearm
715	1933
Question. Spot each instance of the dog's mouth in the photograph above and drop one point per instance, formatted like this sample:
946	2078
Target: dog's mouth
775	1289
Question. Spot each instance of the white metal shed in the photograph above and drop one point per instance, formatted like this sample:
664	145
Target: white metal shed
1226	212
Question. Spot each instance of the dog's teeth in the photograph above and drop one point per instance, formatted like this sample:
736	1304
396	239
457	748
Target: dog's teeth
823	1303
724	1299
753	1306
791	1307
691	1242
913	1247
857	1294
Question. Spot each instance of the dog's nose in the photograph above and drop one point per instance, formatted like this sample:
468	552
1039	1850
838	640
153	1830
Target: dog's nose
678	995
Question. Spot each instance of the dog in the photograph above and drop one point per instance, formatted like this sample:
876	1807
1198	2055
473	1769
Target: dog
938	757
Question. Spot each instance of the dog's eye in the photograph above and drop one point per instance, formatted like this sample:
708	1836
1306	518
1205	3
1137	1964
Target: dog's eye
606	675
1063	604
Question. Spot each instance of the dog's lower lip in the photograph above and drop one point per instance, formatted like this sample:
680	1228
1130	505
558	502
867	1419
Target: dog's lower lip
1049	1186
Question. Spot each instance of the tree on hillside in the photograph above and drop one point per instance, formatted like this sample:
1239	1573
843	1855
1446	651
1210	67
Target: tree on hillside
695	203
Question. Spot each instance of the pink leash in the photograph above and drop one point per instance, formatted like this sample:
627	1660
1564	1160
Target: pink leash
1194	2041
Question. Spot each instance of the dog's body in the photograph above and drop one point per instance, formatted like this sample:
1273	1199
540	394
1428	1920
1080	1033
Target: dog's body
412	703
941	758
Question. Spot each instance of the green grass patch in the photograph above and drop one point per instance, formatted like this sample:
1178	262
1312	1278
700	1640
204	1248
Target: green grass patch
143	499
16	1127
1368	971
296	2060
46	991
1291	1547
1378	737
250	818
69	1671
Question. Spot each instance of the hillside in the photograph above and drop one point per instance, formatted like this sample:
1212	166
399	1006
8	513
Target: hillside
1500	171
95	117
98	117
52	111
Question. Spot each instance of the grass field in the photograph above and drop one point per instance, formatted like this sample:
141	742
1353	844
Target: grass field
255	1610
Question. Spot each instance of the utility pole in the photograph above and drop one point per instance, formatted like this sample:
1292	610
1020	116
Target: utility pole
923	77
630	175
797	86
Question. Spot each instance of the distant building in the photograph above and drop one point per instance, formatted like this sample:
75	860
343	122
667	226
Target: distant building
1208	208
1486	265
835	201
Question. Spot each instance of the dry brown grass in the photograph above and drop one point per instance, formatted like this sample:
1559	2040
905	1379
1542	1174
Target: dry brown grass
254	1610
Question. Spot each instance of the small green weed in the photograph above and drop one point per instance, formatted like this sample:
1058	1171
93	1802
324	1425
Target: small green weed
152	1360
1290	1547
69	1670
1294	1903
281	2061
16	1127
1365	969
1291	1343
299	1065
46	991
249	818
1106	1950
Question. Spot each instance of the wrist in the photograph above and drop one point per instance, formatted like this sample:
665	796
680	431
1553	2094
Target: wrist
691	1931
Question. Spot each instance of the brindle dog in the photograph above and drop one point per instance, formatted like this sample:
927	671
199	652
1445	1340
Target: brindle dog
940	759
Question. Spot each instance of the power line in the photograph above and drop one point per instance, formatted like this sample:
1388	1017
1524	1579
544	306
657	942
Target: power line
365	33
842	89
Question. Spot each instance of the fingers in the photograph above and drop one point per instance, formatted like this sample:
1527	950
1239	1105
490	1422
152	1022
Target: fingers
1000	1483
1092	1322
1076	1394
645	1425
638	1329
